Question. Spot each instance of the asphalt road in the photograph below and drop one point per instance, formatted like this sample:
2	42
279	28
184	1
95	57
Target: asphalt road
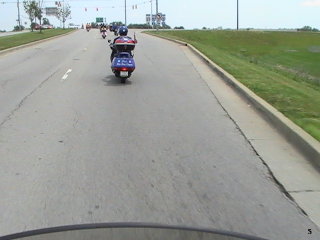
2	34
85	148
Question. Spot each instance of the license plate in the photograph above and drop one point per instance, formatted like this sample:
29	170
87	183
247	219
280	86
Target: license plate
124	74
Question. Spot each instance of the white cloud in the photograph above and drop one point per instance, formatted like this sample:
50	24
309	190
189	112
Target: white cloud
311	3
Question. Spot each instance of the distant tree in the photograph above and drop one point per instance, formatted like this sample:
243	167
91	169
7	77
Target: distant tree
165	26
18	28
30	7
139	26
38	14
181	27
204	28
46	21
64	13
117	23
308	29
33	25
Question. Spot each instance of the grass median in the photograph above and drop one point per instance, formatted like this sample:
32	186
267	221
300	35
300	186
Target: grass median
24	38
281	67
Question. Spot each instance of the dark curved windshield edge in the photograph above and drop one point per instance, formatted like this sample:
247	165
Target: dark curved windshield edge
124	225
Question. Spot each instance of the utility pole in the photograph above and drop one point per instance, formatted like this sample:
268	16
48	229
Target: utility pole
40	8
157	15
151	19
63	16
19	21
125	12
237	14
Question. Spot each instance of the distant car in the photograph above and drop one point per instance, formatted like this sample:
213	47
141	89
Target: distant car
46	26
37	26
113	28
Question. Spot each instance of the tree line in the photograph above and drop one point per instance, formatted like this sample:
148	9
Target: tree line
34	11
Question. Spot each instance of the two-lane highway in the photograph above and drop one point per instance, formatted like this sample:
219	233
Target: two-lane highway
76	146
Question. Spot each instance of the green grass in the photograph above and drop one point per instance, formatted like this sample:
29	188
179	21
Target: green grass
23	38
281	67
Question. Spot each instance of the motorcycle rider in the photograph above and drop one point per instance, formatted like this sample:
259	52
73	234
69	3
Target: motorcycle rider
103	29
88	27
123	32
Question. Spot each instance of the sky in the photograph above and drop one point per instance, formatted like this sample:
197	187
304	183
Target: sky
260	14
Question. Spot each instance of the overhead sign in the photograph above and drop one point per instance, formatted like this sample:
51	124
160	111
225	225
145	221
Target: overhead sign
51	11
99	20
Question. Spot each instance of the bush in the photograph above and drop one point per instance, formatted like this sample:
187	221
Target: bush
33	26
17	28
308	29
147	26
165	26
139	26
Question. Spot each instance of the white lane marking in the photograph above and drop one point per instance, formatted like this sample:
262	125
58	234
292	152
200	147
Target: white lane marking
65	76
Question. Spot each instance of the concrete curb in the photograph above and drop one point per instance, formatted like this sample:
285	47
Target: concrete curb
33	43
309	146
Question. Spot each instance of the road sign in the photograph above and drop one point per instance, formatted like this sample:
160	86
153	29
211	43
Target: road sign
148	18
51	11
153	17
160	18
99	20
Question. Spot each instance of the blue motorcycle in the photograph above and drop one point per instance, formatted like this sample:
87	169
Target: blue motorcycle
122	62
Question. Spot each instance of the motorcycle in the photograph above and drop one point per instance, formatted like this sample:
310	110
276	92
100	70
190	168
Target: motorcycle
103	34
122	62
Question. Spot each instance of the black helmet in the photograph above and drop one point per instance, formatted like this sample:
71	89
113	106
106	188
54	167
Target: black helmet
123	31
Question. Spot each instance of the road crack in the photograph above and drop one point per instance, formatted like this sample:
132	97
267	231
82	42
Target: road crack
270	173
25	98
304	191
